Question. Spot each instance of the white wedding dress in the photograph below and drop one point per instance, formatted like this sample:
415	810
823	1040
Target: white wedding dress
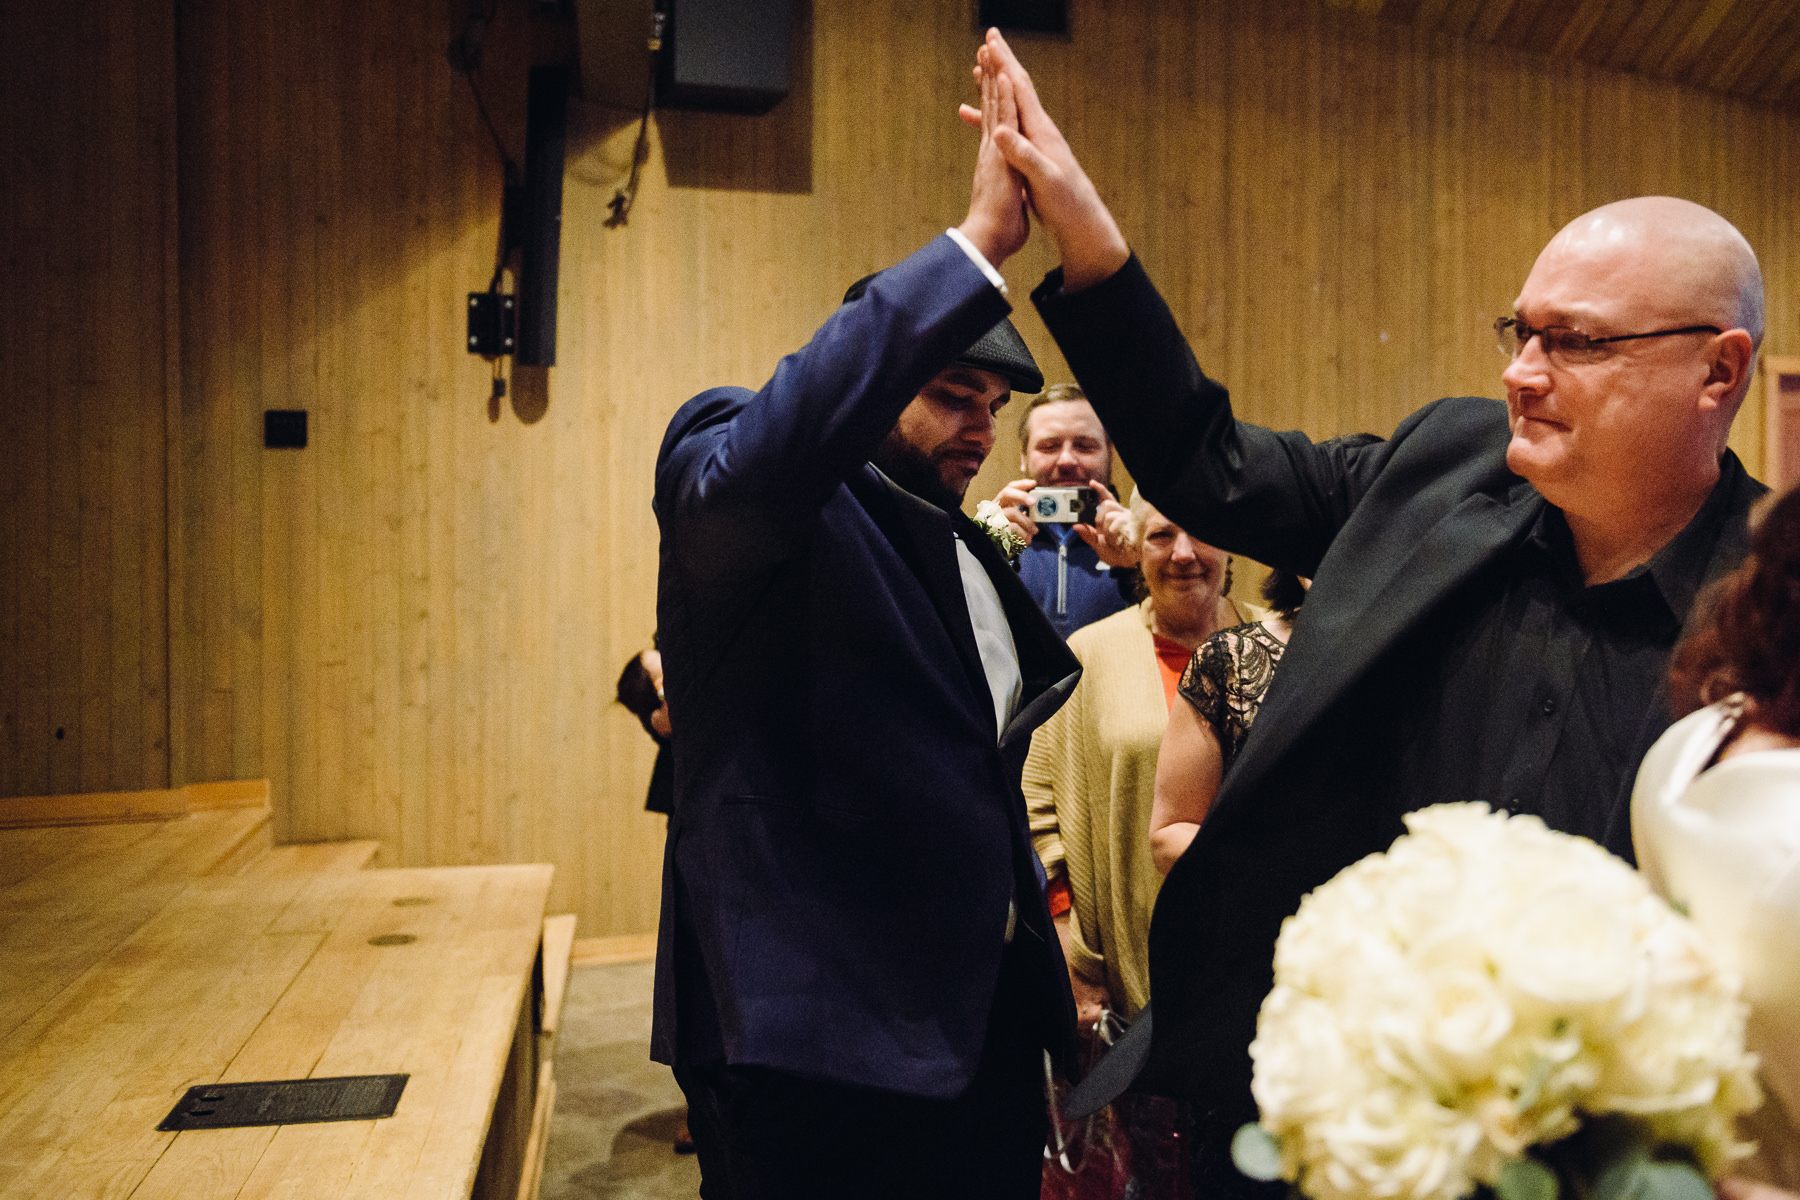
1723	843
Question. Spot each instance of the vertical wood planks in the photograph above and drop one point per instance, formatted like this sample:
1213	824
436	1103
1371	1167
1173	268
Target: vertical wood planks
412	627
87	144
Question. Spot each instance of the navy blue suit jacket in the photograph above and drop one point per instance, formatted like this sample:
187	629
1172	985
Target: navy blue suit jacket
848	831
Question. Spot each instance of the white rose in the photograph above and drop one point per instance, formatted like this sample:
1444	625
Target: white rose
1465	1019
1565	951
1303	1069
1389	1142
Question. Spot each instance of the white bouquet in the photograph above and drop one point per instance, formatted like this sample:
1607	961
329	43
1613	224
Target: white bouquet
1485	988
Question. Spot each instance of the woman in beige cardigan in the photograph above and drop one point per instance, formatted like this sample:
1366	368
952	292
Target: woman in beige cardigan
1091	774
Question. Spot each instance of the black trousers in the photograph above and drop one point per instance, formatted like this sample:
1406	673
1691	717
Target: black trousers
763	1134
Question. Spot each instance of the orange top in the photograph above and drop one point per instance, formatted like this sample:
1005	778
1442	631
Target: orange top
1173	658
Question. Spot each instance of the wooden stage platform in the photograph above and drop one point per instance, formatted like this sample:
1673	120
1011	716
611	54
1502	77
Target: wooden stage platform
176	947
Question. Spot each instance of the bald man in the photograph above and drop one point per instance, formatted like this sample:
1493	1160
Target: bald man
1496	588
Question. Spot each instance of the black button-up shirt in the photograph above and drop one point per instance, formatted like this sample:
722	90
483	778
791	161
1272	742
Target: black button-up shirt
1531	689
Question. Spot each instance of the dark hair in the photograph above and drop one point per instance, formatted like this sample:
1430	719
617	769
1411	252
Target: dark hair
1746	635
637	691
1284	593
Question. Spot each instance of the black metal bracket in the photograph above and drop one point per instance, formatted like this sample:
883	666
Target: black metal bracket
493	324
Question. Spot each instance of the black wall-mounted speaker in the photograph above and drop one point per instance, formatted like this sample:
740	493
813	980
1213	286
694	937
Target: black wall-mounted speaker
540	239
726	55
1030	16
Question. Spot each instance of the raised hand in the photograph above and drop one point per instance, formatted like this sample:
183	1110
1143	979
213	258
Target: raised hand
1110	534
1061	194
998	222
1015	501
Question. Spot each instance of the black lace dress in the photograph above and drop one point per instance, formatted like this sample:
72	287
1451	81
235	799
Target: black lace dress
1226	679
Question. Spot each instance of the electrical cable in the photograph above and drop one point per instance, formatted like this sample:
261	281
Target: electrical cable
465	56
640	149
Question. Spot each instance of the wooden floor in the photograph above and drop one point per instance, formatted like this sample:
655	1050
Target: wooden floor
141	959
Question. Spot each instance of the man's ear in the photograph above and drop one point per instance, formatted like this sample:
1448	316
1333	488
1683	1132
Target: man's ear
1728	380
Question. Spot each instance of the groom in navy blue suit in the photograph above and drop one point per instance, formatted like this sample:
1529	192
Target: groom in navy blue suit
857	976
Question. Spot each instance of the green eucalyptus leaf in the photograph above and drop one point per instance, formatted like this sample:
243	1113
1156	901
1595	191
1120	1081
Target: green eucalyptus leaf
1623	1179
1639	1177
1256	1152
1617	1156
1674	1181
1525	1178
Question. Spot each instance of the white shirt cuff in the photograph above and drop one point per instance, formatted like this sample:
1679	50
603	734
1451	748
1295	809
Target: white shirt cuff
978	258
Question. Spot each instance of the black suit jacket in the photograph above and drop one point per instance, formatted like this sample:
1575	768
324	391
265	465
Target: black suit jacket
1386	532
848	829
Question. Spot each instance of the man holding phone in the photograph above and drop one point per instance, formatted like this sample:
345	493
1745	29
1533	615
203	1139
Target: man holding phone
1075	529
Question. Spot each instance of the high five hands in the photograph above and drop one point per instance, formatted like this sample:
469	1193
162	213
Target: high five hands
998	221
1012	121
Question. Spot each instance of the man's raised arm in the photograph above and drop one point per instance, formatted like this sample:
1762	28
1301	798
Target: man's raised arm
741	470
1086	236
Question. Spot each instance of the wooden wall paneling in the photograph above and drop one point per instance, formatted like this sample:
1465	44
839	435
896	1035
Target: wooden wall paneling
93	305
30	400
1391	220
285	318
342	309
405	343
638	412
14	208
313	770
39	462
160	393
69	331
82	628
133	330
458	423
203	61
601	818
378	246
443	601
1247	140
253	294
230	393
1338	275
432	293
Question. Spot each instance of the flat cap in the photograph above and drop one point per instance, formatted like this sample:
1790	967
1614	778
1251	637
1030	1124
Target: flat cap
1000	350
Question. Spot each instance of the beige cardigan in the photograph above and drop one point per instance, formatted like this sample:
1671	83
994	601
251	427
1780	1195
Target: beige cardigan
1089	782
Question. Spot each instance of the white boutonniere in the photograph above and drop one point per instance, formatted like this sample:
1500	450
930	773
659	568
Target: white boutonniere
999	530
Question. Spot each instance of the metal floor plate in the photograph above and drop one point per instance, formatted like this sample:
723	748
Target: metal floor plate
286	1102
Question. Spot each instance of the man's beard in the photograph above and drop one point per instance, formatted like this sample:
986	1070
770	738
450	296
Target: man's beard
914	470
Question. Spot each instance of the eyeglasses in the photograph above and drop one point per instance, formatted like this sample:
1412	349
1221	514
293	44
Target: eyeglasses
1564	345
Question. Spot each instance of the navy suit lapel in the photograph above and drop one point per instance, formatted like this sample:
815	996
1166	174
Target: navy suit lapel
1335	644
920	533
1047	670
